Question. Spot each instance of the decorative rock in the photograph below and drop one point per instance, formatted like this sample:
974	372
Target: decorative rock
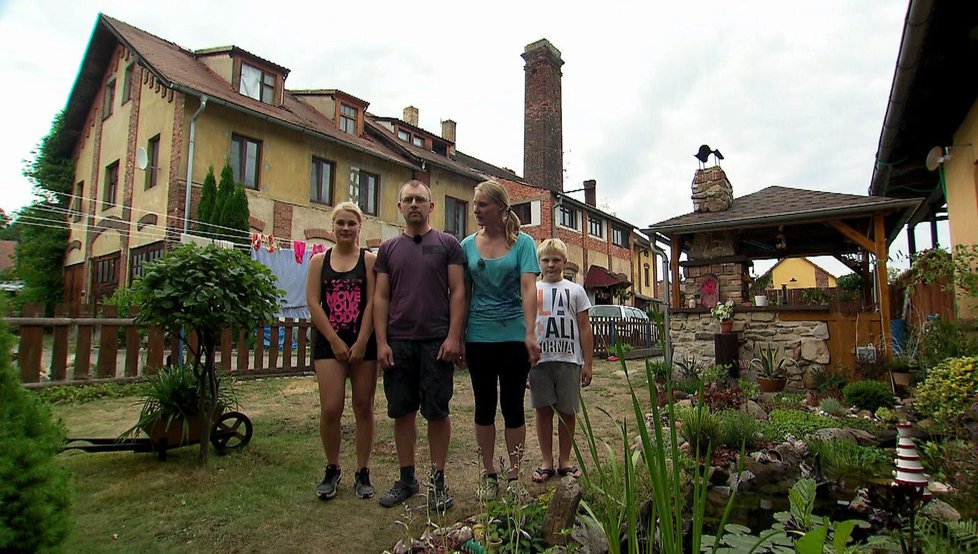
755	409
561	511
815	351
590	536
864	438
940	510
719	476
820	331
834	433
762	316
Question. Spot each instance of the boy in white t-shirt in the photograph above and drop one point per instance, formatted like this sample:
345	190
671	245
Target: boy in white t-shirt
567	347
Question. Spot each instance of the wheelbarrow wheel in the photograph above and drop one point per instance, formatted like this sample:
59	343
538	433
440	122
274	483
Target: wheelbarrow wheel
232	430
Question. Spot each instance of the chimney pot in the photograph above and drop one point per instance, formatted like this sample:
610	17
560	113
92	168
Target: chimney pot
591	192
448	130
411	115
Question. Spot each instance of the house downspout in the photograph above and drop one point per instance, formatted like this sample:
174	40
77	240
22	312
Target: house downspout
190	163
667	346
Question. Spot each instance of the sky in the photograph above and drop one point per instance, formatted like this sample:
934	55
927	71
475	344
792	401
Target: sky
792	93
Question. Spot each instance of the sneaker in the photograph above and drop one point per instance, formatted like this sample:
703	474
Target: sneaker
399	493
331	480
488	489
361	484
439	497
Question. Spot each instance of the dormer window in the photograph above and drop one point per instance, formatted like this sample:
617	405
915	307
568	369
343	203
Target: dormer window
348	119
257	84
418	141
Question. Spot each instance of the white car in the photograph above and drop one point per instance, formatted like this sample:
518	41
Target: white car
617	312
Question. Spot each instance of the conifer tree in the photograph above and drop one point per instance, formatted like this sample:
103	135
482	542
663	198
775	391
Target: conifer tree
225	196
208	198
236	215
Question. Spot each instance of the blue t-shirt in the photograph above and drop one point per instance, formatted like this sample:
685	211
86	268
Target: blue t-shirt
496	307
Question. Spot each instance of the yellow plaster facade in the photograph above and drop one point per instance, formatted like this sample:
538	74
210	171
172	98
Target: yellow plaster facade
799	273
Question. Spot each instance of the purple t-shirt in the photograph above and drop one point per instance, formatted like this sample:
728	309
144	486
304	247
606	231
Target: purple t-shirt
418	272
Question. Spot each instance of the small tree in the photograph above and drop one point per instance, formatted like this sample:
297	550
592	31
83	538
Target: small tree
235	216
35	491
225	196
205	290
208	199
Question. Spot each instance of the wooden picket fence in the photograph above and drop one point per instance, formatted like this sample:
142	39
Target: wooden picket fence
143	349
88	345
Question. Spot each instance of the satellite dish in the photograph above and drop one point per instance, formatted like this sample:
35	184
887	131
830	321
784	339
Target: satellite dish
142	158
935	157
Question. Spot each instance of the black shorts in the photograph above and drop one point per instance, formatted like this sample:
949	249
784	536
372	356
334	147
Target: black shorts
321	350
418	380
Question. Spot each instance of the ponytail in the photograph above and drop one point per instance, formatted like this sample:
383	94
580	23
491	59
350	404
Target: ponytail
513	226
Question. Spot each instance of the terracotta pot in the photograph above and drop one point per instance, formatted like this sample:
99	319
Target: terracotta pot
769	384
726	325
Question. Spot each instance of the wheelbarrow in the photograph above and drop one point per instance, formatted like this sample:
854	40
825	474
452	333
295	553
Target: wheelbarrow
231	430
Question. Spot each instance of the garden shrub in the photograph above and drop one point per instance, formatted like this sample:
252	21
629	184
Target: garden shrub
868	395
738	427
832	407
941	339
829	381
801	423
750	389
845	458
949	392
722	397
35	491
700	428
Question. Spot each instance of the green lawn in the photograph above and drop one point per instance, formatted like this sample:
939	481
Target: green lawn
261	499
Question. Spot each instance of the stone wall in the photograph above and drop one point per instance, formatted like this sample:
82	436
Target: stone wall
804	342
732	277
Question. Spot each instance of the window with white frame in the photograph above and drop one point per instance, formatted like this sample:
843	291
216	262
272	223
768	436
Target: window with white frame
619	237
595	226
348	119
528	212
404	135
245	160
455	215
418	141
257	84
364	189
568	217
321	181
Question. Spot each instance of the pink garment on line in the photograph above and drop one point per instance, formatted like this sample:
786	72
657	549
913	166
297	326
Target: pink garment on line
299	248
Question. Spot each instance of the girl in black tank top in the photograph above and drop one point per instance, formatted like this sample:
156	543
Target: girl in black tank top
344	348
343	296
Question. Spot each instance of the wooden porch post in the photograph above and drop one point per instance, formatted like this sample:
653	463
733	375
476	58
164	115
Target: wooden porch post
882	286
674	263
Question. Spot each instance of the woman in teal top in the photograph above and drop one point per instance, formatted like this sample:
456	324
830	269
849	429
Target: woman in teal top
500	340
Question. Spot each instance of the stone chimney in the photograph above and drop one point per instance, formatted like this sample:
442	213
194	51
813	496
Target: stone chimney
543	153
448	130
591	192
712	192
411	115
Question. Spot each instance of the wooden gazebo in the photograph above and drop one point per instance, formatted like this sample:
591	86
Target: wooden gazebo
781	222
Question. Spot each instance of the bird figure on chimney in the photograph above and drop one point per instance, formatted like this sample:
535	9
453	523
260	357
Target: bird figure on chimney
704	154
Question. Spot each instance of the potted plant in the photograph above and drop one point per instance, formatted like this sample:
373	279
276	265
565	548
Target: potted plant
723	311
770	364
171	411
758	289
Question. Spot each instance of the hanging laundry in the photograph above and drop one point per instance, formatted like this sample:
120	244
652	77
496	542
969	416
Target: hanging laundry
299	248
255	241
272	244
317	248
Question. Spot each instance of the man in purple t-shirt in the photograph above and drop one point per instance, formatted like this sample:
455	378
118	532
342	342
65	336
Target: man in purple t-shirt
419	314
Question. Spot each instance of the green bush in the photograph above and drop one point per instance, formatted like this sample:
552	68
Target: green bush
868	395
832	407
738	427
949	392
700	428
801	423
67	394
845	458
942	339
35	491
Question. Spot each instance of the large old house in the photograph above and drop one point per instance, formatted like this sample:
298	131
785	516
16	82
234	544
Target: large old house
146	116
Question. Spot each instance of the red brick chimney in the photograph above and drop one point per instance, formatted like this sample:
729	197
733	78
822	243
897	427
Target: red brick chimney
591	192
543	154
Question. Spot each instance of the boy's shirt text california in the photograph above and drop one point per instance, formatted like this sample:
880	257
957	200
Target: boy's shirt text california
557	330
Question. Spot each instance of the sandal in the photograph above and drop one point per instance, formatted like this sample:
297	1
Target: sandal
543	474
571	471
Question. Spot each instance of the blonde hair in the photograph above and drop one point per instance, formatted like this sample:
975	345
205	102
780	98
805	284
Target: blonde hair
552	246
349	207
497	193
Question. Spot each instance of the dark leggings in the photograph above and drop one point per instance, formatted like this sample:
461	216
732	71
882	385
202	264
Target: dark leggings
507	363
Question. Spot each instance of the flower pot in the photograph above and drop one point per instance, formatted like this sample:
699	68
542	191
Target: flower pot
726	325
771	384
760	300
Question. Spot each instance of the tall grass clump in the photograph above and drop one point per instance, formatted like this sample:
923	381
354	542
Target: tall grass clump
641	526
